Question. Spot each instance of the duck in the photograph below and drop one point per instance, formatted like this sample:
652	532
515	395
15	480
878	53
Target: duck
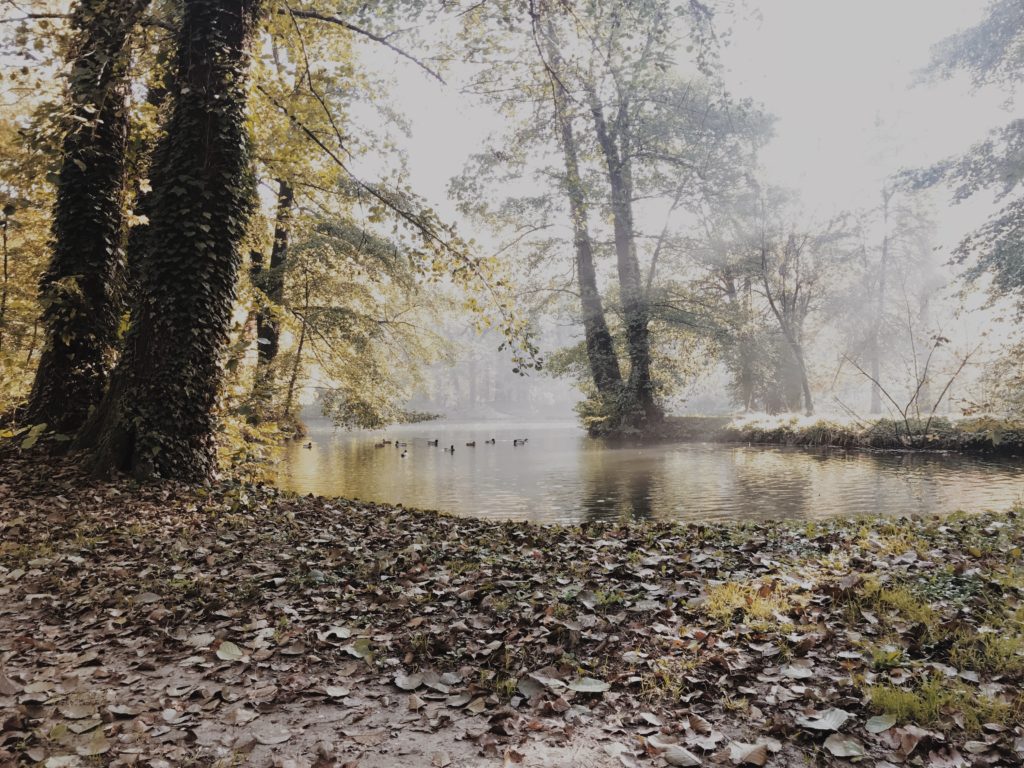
404	454
471	445
450	449
386	442
489	442
432	442
400	445
379	445
519	441
308	445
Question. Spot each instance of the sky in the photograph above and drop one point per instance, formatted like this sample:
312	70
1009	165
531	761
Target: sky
840	77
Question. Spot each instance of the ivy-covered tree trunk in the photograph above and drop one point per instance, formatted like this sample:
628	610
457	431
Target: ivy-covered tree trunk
640	384
81	289
157	418
271	282
601	357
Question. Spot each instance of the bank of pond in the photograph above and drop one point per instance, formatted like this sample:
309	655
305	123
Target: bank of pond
983	436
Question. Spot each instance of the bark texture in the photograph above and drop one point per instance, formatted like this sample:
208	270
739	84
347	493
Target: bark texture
81	289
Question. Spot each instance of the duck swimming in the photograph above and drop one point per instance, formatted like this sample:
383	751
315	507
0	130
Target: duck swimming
471	445
432	442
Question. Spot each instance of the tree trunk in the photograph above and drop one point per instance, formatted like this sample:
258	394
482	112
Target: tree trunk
876	326
3	289
634	303
297	363
604	363
81	289
791	335
271	283
157	417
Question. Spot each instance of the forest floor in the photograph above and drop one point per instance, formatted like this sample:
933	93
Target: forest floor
980	435
167	625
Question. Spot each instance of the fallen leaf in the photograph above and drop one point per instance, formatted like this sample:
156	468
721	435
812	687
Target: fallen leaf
589	685
748	754
880	723
273	734
676	755
842	745
228	651
826	720
408	682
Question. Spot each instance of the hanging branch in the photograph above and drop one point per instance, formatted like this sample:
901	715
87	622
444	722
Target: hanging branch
427	229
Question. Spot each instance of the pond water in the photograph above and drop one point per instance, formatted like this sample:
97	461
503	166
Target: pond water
560	475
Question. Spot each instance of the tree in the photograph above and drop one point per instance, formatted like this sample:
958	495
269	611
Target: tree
990	53
600	110
80	290
891	278
270	281
157	416
601	356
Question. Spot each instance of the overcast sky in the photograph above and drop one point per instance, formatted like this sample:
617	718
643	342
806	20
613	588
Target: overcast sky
839	76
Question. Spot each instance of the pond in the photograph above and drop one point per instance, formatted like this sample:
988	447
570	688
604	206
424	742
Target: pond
561	475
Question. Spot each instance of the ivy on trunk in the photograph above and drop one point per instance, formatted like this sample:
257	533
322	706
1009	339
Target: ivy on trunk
157	418
81	290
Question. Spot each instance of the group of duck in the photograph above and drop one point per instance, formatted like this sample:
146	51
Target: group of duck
437	443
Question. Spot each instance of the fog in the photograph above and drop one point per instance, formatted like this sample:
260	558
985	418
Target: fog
851	108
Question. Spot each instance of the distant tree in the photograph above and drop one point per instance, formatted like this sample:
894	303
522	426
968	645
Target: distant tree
890	278
598	108
81	289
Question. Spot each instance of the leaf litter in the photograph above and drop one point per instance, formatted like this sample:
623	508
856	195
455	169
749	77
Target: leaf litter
167	625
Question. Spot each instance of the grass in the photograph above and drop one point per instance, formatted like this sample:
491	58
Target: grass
900	600
762	606
667	678
938	700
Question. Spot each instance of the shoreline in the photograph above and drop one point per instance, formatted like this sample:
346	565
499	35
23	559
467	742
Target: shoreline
969	437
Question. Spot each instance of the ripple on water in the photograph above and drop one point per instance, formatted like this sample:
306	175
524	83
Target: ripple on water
562	476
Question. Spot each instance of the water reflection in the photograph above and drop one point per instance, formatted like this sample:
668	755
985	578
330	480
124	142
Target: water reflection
560	475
